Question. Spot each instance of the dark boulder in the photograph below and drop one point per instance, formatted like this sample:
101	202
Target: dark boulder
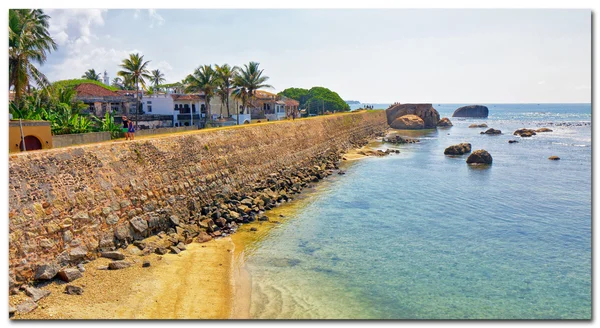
73	290
491	131
471	111
118	265
543	130
36	294
70	274
524	133
512	141
113	255
203	237
426	112
554	158
482	125
444	122
480	157
459	149
47	271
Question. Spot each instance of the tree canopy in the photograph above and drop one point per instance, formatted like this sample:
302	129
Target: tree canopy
316	99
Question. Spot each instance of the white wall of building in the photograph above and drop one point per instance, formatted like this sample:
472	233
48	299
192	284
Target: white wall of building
158	105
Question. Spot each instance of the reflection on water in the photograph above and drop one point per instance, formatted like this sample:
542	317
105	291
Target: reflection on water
420	235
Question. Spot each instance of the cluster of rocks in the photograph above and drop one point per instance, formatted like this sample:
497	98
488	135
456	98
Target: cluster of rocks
524	133
399	140
378	152
482	125
572	124
459	149
491	131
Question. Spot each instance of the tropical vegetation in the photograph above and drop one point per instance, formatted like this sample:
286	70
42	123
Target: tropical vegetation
29	43
91	74
157	78
225	76
317	100
203	80
135	72
247	80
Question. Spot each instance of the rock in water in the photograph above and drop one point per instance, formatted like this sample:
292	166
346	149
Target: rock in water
482	125
512	141
554	158
459	149
480	156
491	131
471	111
426	112
444	122
408	122
524	133
543	130
73	290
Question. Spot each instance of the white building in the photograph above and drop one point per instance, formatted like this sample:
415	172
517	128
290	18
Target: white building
105	79
186	109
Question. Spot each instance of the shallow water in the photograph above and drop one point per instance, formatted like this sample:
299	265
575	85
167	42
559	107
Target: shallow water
420	235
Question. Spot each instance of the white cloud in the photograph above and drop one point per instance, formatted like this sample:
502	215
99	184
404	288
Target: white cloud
155	18
70	25
542	82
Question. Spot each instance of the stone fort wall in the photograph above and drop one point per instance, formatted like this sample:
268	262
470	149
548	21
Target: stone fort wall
68	203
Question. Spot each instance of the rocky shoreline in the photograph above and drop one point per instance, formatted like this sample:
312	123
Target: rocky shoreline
214	220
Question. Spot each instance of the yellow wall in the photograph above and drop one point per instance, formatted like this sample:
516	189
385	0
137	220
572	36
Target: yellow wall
38	129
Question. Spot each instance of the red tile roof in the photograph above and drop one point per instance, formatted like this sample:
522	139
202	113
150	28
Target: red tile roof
177	97
291	102
92	90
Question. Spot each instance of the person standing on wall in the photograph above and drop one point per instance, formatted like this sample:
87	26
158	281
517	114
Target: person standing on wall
125	127
131	130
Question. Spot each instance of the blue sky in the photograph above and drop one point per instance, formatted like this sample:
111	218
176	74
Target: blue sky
371	55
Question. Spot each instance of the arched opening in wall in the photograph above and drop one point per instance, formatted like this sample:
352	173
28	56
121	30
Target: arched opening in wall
187	123
246	122
31	143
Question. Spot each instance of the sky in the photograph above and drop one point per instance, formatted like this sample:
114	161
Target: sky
370	55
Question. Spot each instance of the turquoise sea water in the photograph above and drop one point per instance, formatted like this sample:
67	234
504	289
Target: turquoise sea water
420	235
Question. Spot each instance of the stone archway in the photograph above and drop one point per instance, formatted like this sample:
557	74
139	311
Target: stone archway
31	143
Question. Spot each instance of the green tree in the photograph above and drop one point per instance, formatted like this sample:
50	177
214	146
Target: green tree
29	42
295	93
317	99
134	73
157	78
117	83
91	74
202	80
224	79
247	81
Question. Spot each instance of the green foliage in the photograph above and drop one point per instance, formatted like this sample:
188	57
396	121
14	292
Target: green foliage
316	98
91	75
296	94
108	124
29	42
73	83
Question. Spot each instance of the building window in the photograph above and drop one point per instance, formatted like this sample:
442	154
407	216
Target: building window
149	108
148	102
193	108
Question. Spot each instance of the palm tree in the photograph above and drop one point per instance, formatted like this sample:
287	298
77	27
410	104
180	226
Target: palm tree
135	72
91	75
157	78
203	79
28	41
117	83
225	75
247	81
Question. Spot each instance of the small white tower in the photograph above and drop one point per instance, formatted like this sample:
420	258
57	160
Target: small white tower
106	81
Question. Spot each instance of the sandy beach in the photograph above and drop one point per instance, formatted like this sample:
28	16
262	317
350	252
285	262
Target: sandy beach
206	281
